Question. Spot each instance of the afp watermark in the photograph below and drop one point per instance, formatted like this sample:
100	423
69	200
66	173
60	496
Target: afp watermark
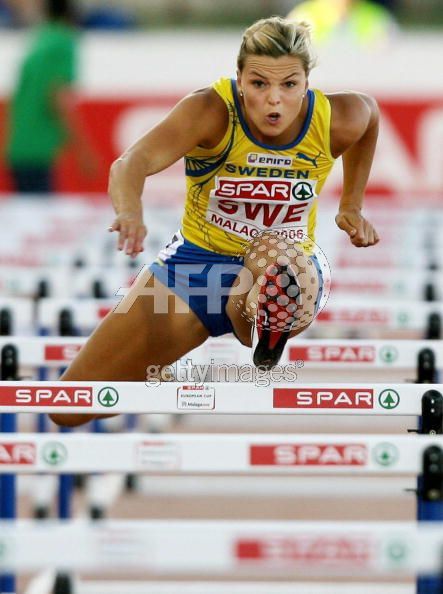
190	280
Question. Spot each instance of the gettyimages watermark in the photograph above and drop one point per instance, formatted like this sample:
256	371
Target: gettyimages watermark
185	371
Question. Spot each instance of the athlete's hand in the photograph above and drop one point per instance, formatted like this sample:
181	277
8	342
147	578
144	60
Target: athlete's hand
132	233
360	231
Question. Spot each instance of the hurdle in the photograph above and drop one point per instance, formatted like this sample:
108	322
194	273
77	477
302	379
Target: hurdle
79	282
396	285
395	315
20	312
316	354
218	398
343	549
200	453
43	583
89	311
236	588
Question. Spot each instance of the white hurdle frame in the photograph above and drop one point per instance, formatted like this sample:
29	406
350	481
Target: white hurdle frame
224	547
117	587
213	398
54	351
215	453
395	315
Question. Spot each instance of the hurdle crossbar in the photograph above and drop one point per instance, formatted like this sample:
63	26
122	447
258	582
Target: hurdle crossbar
214	398
53	351
215	453
400	315
117	587
223	547
384	487
325	354
396	315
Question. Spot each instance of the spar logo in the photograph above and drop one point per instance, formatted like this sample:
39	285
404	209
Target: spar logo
389	399
302	190
333	354
22	454
258	189
342	398
309	454
64	352
48	396
108	397
268	160
385	454
54	453
388	354
327	549
354	316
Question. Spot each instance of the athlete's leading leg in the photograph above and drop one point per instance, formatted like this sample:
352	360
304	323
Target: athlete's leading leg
126	344
283	300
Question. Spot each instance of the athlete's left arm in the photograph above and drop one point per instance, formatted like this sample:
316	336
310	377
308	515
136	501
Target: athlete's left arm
354	131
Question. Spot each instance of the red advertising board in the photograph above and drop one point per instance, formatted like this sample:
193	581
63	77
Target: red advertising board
407	163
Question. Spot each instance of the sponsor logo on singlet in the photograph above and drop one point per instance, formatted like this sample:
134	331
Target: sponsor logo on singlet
246	207
268	160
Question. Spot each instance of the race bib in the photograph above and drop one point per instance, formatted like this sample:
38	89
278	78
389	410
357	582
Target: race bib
247	207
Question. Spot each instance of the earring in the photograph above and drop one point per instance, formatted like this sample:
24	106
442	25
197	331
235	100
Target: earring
241	93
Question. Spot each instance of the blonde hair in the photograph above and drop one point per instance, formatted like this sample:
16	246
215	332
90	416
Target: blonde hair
277	37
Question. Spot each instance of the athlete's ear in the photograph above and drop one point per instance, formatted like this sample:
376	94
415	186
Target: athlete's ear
239	89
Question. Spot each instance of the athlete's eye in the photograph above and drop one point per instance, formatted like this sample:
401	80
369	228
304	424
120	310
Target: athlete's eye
258	84
290	84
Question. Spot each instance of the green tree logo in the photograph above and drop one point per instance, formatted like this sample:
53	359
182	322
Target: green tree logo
389	399
397	551
388	354
54	453
385	454
108	397
302	191
403	318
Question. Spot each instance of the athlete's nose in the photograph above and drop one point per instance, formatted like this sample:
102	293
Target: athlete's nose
274	96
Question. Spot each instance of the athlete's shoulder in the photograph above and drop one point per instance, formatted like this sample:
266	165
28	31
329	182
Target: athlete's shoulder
210	108
207	98
351	102
351	115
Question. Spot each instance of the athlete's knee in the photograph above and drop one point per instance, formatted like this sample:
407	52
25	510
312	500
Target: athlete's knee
287	260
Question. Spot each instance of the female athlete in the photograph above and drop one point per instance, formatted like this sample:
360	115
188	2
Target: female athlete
257	151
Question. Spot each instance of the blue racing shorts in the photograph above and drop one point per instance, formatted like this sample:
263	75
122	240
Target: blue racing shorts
203	279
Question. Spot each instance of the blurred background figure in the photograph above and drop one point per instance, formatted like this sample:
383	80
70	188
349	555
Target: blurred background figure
361	22
42	114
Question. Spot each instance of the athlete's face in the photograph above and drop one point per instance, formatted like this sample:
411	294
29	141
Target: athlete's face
273	94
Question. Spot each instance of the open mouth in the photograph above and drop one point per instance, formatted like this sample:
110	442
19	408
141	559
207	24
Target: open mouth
273	118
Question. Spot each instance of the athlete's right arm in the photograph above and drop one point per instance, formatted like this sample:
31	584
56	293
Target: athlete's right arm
200	119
